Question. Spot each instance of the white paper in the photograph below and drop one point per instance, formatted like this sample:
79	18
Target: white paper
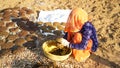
54	16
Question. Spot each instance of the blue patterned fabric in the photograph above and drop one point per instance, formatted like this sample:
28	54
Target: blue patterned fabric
88	32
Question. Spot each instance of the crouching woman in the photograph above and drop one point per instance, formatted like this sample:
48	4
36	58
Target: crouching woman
80	35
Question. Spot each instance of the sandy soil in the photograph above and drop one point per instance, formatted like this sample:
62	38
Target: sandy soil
19	33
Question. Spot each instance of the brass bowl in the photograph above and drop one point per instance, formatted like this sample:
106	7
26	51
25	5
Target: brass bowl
51	45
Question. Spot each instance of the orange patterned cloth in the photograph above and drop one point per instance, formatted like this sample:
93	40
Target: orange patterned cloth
81	55
76	20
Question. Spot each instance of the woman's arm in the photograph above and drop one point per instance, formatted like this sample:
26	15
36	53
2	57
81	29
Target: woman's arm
95	40
86	34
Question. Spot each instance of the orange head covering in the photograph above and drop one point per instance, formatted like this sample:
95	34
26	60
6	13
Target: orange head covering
76	20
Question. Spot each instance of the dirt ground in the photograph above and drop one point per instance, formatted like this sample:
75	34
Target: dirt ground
21	37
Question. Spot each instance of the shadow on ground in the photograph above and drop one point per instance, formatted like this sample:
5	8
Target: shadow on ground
106	62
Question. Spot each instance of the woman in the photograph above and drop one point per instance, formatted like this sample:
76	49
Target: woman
80	35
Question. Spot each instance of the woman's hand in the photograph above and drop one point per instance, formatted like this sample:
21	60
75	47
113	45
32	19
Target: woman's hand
63	41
